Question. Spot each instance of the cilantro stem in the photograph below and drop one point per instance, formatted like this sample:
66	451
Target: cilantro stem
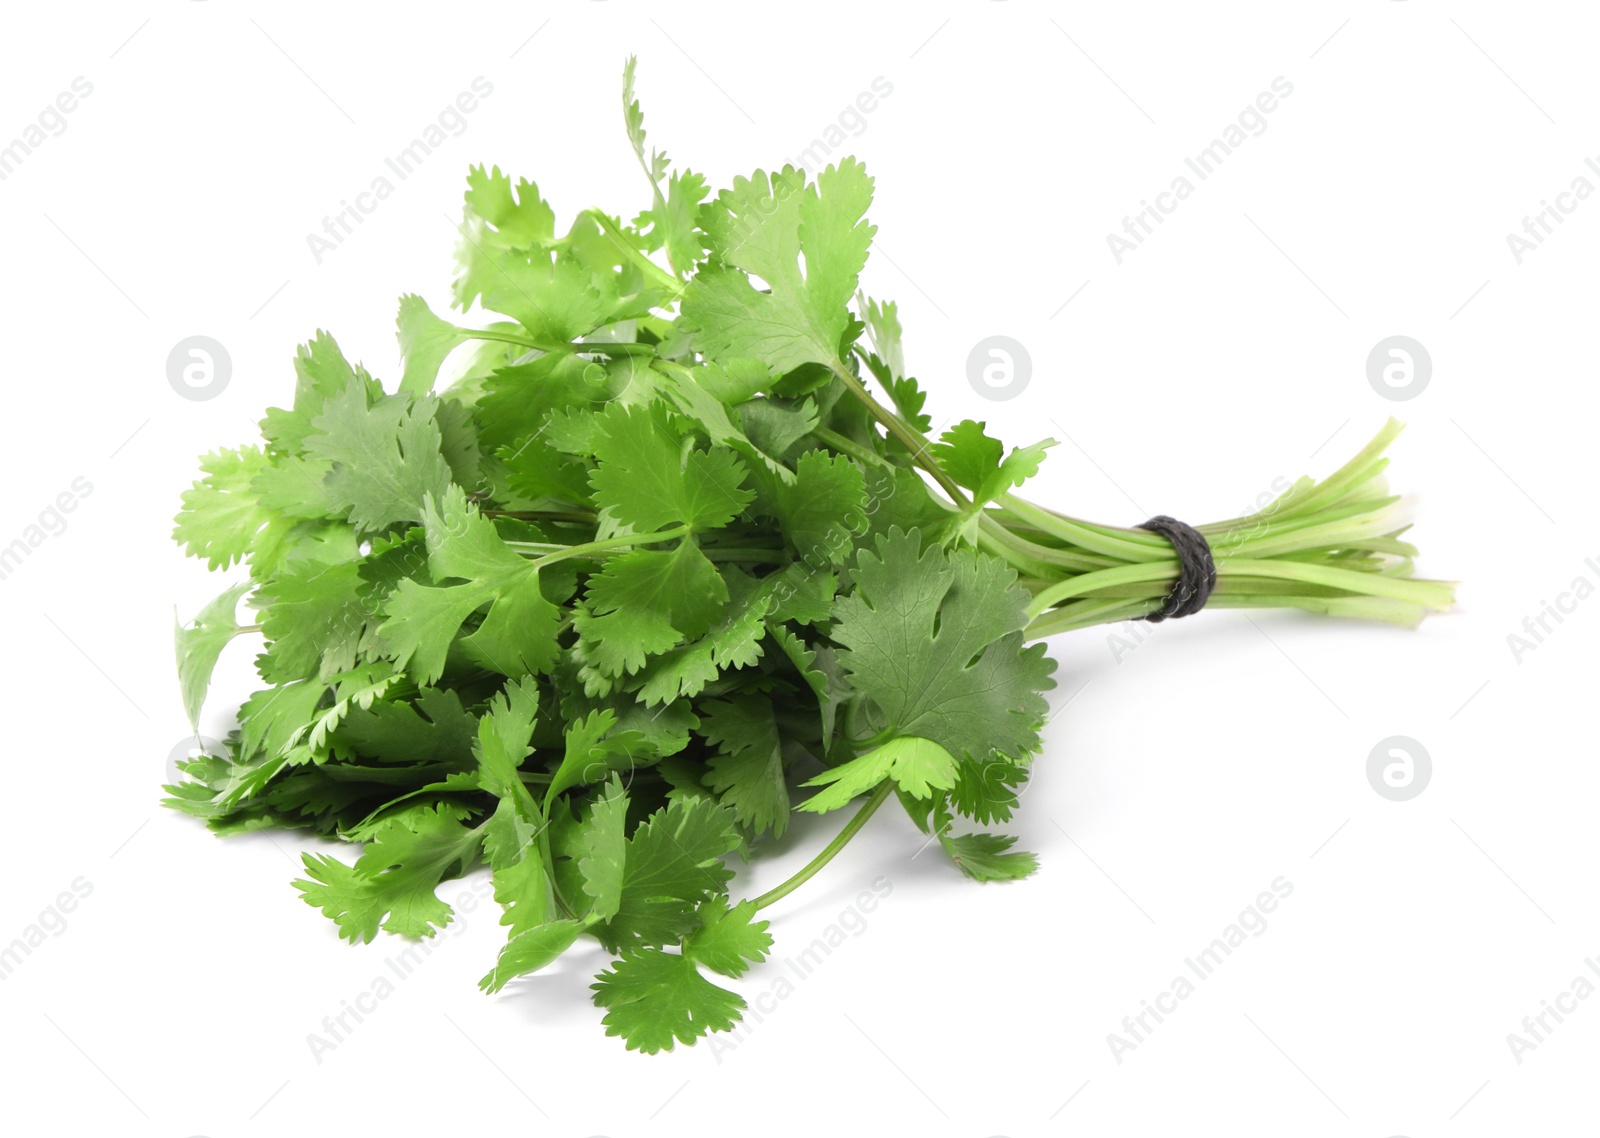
551	347
652	271
912	440
829	851
575	517
850	447
605	543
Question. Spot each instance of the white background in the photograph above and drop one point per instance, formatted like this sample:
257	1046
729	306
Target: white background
1225	352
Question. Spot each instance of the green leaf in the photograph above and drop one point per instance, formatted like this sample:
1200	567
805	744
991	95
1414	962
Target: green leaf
359	687
510	263
518	634
672	220
648	477
673	862
270	719
603	839
321	371
594	750
734	642
530	951
747	772
883	328
935	640
199	646
823	509
292	486
221	514
504	741
808	242
425	341
314	619
536	470
385	455
728	940
985	857
516	219
671	224
646	602
917	766
654	998
517	868
433	728
986	790
517	860
392	884
973	459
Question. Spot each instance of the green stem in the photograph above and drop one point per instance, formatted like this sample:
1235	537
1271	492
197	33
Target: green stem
850	447
551	346
830	851
652	271
574	517
603	544
910	439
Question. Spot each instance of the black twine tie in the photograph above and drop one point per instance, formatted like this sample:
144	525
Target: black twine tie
1197	572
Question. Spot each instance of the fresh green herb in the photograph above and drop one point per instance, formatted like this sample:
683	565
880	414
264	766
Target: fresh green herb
669	552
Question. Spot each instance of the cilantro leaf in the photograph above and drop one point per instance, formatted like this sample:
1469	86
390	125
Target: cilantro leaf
654	998
917	766
392	883
728	940
385	455
823	508
807	241
673	862
221	513
648	478
603	839
734	642
595	750
646	602
988	857
531	950
321	371
314	619
974	460
747	773
934	639
518	633
672	220
425	341
199	647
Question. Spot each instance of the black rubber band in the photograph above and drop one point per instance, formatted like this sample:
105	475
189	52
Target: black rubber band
1197	572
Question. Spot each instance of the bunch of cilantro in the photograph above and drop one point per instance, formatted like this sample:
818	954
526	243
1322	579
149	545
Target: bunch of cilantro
668	559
